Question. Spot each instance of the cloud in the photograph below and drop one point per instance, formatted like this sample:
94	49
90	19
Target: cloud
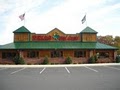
105	10
105	19
65	16
44	15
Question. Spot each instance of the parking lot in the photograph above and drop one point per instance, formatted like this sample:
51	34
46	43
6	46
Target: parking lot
61	78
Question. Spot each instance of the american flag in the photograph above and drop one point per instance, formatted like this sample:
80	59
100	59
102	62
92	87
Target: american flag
22	17
84	19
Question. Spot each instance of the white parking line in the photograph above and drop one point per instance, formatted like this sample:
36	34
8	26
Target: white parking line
112	67
91	69
67	70
42	70
18	70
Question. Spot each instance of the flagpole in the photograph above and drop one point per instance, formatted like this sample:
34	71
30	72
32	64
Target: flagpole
24	19
24	23
86	19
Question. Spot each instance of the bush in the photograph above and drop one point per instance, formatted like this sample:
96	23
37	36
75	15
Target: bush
19	60
96	57
45	61
68	60
92	59
117	59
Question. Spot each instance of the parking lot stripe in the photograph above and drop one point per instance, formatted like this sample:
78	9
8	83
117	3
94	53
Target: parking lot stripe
42	70
18	70
67	70
112	67
91	69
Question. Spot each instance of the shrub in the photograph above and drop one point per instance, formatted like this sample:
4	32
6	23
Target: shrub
19	60
68	60
45	61
96	57
117	59
92	59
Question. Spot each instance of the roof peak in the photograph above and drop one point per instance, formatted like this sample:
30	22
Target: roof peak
56	30
88	30
22	29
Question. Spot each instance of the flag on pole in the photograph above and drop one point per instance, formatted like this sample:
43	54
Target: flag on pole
22	17
84	19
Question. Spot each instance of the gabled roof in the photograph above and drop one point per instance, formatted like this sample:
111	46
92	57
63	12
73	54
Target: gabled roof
22	30
56	30
88	30
57	45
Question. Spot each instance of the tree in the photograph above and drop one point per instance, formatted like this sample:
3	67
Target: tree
108	39
117	41
117	44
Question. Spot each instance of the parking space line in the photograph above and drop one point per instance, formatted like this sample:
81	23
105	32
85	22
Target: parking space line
91	69
112	67
67	70
42	70
18	70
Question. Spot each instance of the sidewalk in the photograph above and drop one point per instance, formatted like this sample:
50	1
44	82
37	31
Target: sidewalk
60	65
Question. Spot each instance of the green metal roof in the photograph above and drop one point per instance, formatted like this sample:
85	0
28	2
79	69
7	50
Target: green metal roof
88	30
22	30
57	45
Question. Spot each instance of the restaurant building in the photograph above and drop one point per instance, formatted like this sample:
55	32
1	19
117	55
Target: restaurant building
57	46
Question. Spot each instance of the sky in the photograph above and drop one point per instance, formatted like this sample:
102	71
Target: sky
41	16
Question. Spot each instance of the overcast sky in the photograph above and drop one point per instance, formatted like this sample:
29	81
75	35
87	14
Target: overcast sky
41	16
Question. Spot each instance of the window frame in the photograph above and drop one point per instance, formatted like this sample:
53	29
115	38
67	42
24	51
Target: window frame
32	54
56	53
79	53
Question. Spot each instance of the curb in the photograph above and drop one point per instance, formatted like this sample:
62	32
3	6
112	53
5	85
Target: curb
62	65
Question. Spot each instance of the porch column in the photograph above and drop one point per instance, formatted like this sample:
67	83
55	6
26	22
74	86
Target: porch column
94	52
115	54
21	53
91	52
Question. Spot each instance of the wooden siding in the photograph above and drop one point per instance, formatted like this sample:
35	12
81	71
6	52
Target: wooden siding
44	53
21	37
89	37
67	53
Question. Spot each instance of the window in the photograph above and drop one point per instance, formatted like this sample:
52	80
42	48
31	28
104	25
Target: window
32	54
56	54
9	55
103	54
79	54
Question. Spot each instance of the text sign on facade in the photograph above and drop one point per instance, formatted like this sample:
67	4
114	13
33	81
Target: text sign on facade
50	38
41	38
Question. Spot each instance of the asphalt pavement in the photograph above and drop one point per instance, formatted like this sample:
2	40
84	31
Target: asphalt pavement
105	77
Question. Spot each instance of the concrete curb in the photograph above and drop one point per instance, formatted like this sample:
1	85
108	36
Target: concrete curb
62	65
